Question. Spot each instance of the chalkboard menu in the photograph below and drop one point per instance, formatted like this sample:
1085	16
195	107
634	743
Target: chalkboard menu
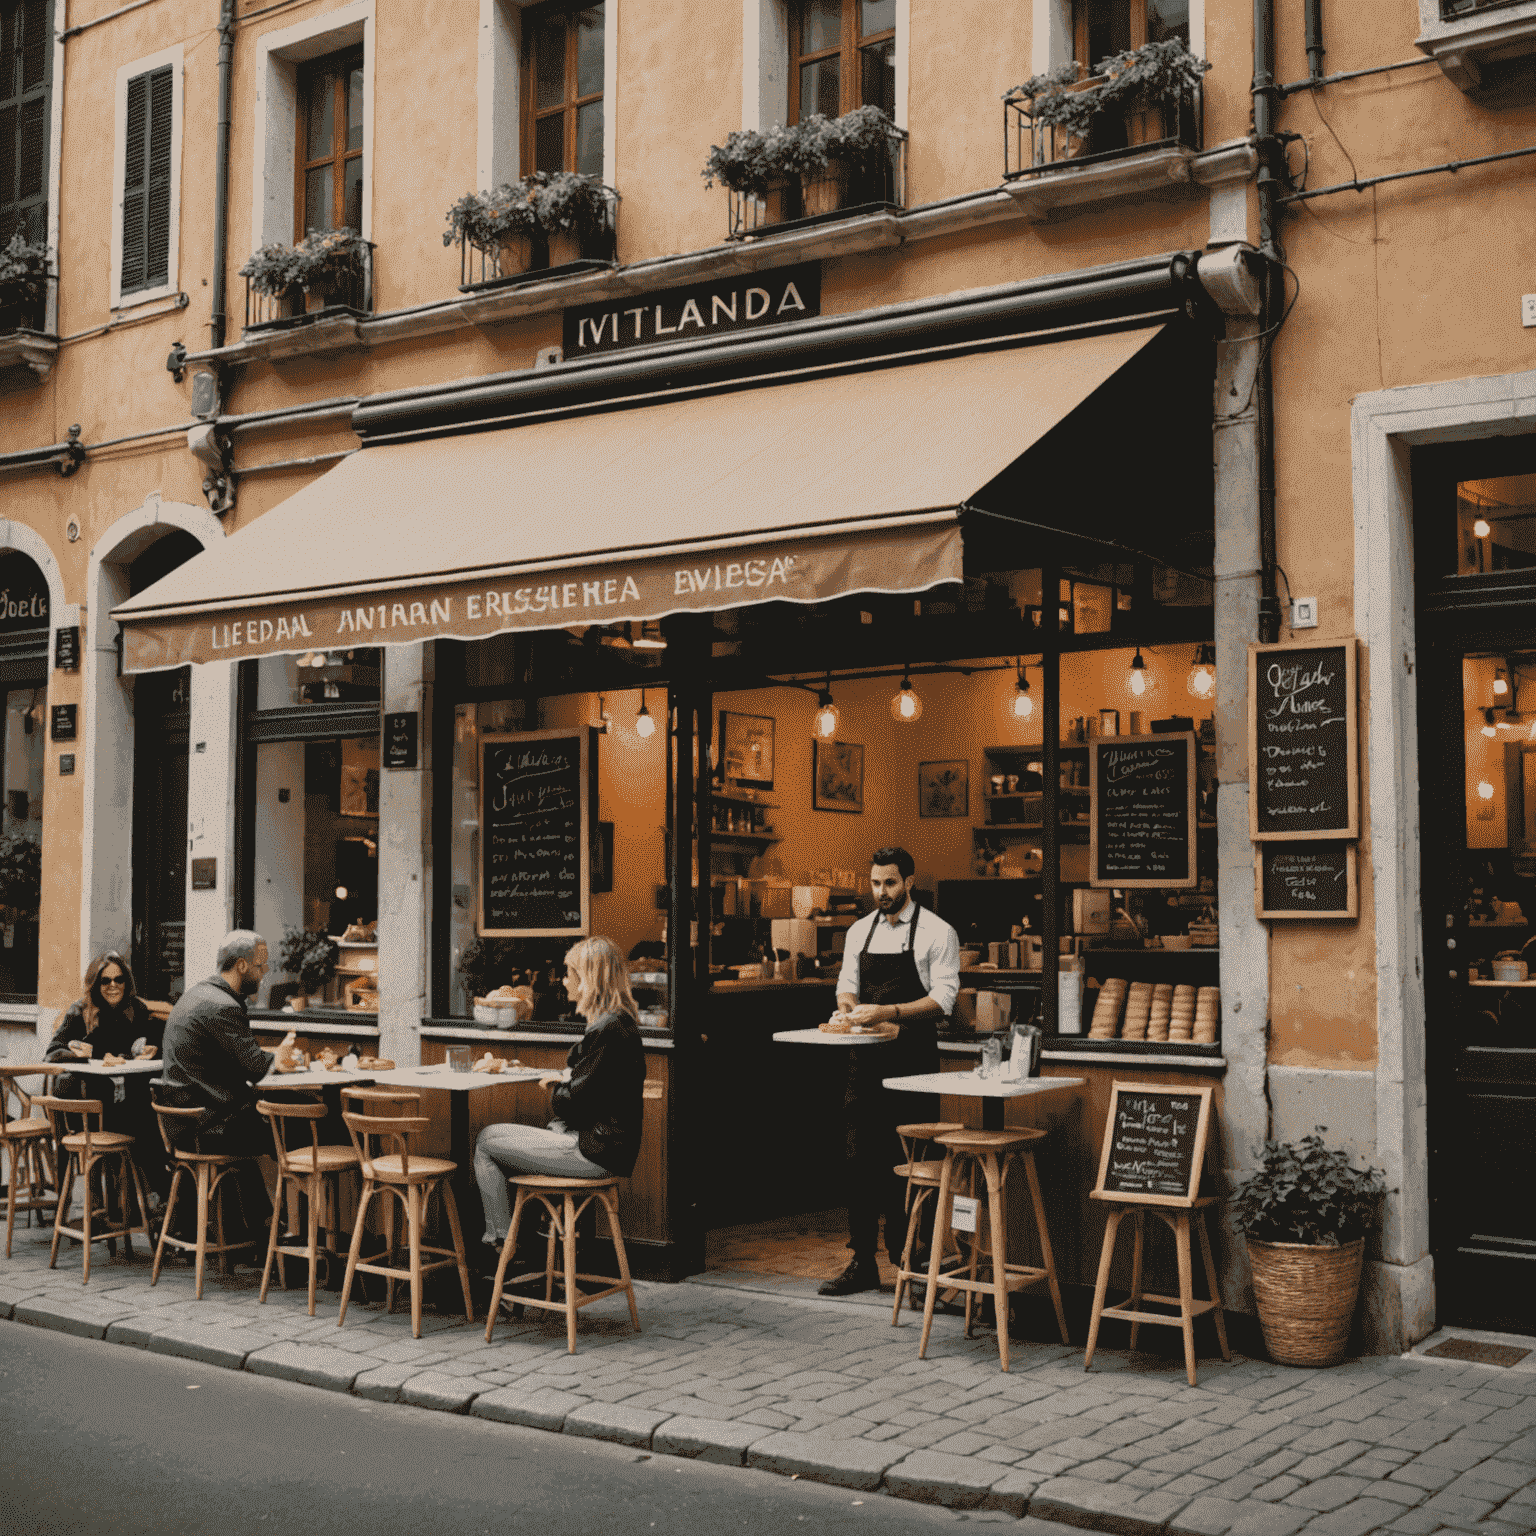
1141	812
1302	880
400	734
537	798
1301	741
1154	1144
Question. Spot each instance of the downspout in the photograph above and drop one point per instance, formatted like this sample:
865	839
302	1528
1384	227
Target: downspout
219	319
1315	49
1269	188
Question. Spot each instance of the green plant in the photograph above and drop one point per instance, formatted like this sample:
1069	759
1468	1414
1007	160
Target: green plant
1307	1192
750	162
23	270
309	955
568	204
322	259
486	219
21	872
1155	72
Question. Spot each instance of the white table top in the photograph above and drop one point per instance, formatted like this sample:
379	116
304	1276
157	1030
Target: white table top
98	1068
822	1037
969	1085
314	1077
445	1079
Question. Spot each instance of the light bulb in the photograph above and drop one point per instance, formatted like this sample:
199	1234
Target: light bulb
1500	685
1138	679
906	706
827	718
341	893
1490	730
1201	683
1023	705
645	722
1484	790
1481	528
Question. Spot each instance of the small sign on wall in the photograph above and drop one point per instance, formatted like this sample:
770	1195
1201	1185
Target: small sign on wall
66	648
400	737
63	722
205	874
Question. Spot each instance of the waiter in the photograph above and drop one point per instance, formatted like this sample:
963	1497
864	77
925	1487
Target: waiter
901	965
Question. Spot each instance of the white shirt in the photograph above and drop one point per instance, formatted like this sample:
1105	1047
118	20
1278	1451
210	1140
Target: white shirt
935	948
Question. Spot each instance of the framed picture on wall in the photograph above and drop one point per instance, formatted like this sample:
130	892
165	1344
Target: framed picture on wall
837	776
944	789
746	749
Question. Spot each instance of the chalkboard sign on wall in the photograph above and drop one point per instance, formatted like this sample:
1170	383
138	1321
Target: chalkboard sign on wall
1304	880
1301	741
1141	811
537	798
1154	1144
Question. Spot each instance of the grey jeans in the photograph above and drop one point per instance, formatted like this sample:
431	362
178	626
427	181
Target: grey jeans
508	1149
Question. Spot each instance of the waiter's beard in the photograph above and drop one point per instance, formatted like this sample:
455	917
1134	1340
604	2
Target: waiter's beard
888	904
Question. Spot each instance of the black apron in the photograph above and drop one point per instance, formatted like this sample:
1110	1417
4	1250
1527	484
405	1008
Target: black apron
870	1109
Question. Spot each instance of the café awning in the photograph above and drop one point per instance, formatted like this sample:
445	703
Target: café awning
801	491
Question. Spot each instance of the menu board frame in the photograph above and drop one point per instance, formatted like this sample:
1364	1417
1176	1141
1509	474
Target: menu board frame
585	737
1191	1192
1257	653
1351	906
1095	747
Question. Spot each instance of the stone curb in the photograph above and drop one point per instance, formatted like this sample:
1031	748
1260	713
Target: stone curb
857	1464
213	1346
615	1422
313	1365
723	1441
936	1477
85	1319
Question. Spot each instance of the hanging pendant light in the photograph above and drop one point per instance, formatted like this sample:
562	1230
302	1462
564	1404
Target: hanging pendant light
1139	680
1021	704
645	722
906	706
1481	528
1500	683
1489	728
1201	682
826	719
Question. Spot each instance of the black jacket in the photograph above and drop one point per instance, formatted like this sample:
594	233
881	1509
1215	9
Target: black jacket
116	1030
211	1056
603	1102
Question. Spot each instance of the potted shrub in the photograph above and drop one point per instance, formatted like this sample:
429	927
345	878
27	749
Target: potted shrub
23	282
501	224
1305	1215
842	160
310	956
322	262
572	211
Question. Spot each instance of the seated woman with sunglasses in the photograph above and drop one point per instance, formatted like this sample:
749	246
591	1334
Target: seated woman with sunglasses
111	1020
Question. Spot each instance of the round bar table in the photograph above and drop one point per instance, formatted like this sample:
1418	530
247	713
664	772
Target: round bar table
992	1091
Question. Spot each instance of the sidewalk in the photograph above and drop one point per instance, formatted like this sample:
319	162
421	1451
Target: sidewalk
828	1390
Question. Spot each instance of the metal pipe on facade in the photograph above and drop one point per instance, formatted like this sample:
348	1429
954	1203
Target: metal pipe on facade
1313	81
1315	49
1446	167
1268	187
96	21
218	320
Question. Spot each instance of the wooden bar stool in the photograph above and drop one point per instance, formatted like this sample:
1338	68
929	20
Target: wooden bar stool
1179	1219
304	1170
26	1142
205	1173
91	1152
565	1200
922	1175
412	1180
993	1154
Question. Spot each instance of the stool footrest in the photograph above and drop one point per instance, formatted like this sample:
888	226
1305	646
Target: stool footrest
391	1273
1124	1315
1017	1278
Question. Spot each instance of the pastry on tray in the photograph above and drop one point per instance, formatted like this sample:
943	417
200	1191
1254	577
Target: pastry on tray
841	1024
375	1064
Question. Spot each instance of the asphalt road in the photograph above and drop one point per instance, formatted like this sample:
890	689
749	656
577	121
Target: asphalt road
98	1437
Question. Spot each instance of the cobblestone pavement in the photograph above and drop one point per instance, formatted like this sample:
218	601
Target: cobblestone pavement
828	1390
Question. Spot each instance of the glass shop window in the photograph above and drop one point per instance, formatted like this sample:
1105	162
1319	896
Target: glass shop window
21	841
1495	524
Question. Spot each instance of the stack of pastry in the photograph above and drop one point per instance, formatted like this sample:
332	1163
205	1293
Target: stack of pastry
1138	1011
1106	1011
1207	1015
1181	1015
1162	1011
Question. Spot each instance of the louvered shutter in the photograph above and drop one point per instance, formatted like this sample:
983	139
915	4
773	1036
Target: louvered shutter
147	180
26	68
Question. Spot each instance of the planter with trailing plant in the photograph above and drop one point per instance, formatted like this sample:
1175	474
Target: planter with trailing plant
548	219
575	213
1305	1215
1142	91
322	264
23	284
310	957
502	225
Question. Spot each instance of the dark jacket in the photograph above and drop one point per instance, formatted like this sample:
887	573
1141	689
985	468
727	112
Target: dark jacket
116	1030
603	1102
211	1056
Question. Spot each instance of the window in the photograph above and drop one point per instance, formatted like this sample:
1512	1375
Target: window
147	177
842	56
26	67
329	165
563	89
1104	27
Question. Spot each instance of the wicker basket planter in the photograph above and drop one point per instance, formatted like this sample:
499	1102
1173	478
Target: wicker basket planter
1306	1296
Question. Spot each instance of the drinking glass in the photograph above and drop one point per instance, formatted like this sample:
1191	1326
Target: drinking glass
459	1058
991	1057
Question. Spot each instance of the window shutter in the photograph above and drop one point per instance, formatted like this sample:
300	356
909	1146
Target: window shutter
26	67
147	180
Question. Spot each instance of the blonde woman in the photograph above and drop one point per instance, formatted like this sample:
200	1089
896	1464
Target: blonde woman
597	1100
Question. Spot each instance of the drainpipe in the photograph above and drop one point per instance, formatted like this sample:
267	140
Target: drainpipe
1315	49
1269	188
219	319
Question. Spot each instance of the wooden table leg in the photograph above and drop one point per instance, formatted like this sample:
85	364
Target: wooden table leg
1186	1292
1217	1312
999	1235
1046	1257
1139	1221
1106	1257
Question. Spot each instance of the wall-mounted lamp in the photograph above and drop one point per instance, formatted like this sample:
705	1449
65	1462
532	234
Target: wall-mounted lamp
1481	528
645	722
906	706
826	719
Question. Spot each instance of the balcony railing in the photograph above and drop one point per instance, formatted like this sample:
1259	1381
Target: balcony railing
352	295
846	189
1031	146
24	307
539	257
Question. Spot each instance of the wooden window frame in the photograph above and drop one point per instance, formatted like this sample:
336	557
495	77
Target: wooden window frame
849	49
27	100
342	63
570	105
1138	29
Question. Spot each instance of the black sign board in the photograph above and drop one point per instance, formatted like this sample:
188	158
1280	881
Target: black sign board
400	740
746	303
63	722
1141	811
66	647
537	804
1301	741
23	595
1154	1144
66	764
1315	879
205	874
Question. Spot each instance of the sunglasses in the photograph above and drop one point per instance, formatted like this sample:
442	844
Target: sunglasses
114	981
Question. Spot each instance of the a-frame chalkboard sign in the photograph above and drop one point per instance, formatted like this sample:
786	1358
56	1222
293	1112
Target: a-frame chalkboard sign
1154	1144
